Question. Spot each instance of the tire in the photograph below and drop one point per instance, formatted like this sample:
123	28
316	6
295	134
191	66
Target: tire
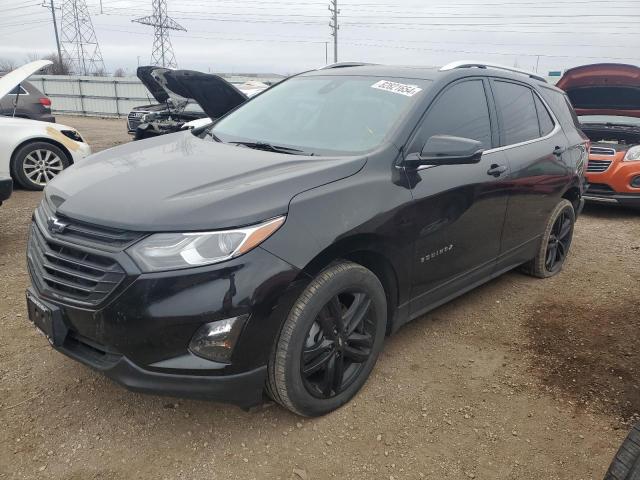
560	236
37	163
314	334
626	463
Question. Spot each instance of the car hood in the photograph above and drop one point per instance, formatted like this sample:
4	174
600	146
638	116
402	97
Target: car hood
180	182
214	94
15	77
158	92
603	89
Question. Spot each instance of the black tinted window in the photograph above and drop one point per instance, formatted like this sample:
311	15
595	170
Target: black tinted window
546	122
460	111
519	117
561	107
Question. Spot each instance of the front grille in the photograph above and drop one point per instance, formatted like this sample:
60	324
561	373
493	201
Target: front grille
134	119
83	233
598	166
599	189
602	151
71	273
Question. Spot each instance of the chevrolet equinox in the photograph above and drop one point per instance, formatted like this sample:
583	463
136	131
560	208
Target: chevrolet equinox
274	250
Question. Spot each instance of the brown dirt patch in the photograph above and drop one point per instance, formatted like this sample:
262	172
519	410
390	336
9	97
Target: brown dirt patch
591	353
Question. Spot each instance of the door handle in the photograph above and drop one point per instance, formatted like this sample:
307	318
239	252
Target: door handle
496	170
559	151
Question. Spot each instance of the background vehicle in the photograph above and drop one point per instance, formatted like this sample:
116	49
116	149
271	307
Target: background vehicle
278	247
626	463
607	100
31	103
34	152
189	96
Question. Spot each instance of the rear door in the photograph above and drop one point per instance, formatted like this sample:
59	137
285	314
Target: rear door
458	210
535	146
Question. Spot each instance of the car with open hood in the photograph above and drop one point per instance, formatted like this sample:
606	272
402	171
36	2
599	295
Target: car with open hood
33	152
188	99
606	98
275	249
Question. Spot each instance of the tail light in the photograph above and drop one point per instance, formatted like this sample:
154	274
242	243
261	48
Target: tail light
45	102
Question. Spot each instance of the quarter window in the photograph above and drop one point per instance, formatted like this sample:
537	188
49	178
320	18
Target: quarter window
518	112
546	122
460	111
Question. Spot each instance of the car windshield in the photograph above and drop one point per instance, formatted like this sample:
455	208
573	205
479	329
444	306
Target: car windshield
323	114
613	119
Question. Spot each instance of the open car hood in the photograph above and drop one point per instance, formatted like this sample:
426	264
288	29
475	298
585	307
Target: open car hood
214	94
15	77
603	89
145	74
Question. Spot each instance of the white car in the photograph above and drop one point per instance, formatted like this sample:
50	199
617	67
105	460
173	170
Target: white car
32	153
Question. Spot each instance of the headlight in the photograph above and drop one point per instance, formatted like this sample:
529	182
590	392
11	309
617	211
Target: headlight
171	251
633	154
73	135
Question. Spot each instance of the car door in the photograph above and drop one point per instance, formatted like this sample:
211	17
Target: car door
534	144
458	210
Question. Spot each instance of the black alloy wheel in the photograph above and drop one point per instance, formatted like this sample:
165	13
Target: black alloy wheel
330	340
559	241
554	245
338	344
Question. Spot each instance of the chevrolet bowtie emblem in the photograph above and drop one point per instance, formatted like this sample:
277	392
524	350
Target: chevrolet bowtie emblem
55	225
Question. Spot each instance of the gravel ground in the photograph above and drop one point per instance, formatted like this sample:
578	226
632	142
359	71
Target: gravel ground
521	378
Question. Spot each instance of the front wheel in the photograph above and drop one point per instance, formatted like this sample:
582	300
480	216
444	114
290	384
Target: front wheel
555	243
330	341
36	164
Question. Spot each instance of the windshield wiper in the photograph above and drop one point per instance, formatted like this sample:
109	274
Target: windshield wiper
272	148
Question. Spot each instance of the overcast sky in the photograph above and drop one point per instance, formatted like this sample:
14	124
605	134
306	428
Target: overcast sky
289	36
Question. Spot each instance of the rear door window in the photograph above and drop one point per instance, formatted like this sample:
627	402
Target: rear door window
517	109
461	111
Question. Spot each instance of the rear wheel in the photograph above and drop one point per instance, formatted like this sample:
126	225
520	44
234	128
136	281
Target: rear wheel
330	341
555	243
36	164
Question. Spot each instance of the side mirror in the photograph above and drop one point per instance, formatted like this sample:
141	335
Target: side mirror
446	150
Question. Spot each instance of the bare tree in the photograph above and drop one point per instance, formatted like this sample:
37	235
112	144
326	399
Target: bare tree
120	72
32	57
7	64
100	72
57	68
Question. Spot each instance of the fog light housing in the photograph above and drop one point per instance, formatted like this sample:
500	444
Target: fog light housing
216	340
635	182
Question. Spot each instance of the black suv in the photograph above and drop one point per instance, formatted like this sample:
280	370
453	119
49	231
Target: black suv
276	249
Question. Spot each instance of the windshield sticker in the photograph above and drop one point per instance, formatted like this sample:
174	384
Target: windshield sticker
401	88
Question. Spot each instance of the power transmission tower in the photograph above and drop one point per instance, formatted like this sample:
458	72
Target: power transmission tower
162	53
333	8
78	39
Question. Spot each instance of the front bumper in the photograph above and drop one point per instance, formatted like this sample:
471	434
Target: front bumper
603	193
140	333
6	188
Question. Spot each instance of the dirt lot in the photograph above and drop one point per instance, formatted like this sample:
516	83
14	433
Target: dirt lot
520	379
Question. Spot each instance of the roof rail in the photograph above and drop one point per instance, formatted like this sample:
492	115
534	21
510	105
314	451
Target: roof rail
345	64
476	64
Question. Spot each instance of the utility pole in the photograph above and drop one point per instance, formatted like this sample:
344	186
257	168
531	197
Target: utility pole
333	8
55	30
162	52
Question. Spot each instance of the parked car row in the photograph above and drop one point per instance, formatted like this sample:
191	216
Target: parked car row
285	237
